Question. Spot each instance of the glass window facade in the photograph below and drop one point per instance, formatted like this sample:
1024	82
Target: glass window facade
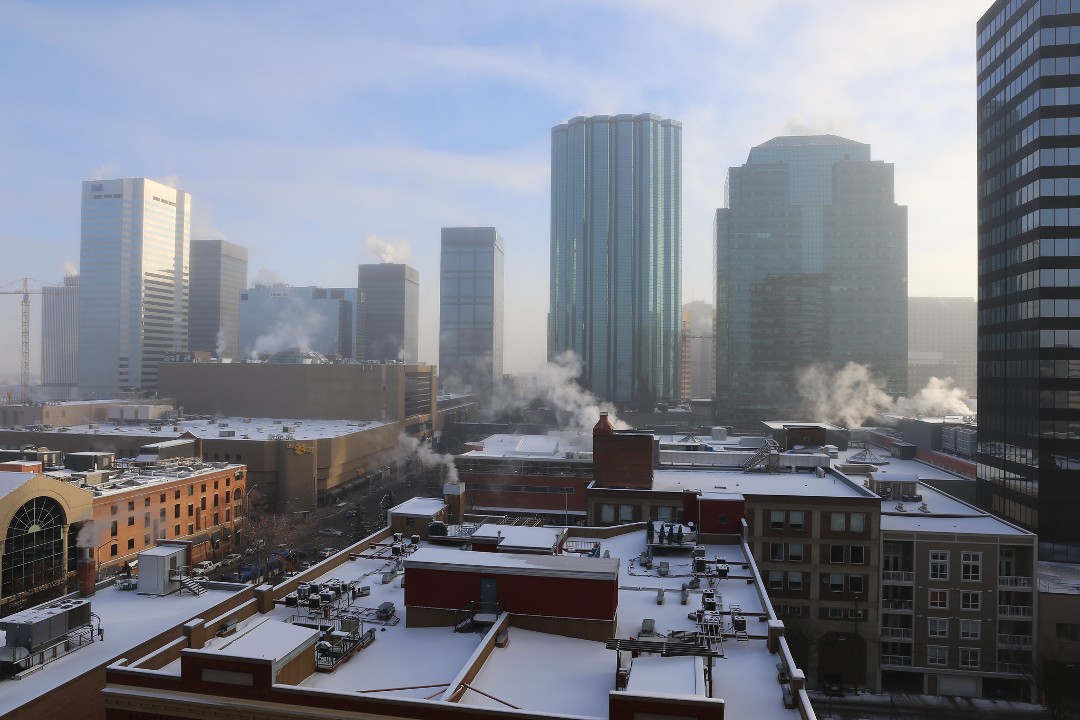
219	272
616	254
133	287
278	317
471	308
388	327
811	267
1029	269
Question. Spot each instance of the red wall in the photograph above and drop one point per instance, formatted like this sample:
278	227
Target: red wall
623	460
522	594
711	510
479	496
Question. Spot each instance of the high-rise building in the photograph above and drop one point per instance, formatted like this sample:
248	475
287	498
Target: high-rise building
1028	65
811	263
699	347
133	290
60	340
944	326
278	317
616	254
391	303
218	274
471	308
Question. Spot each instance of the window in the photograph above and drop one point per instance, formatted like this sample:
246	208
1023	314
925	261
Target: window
131	506
176	531
795	521
937	627
190	529
795	610
146	501
858	522
626	513
937	655
836	582
837	522
854	614
176	510
146	519
131	520
176	495
776	519
607	513
131	544
112	550
836	553
190	490
190	510
162	497
112	528
858	555
776	552
203	488
970	629
721	519
939	599
217	521
855	583
215	500
776	579
970	601
113	509
971	566
795	552
939	564
969	657
202	503
836	613
794	580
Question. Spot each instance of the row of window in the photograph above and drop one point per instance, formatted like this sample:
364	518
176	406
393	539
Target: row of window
796	552
838	521
796	581
970	658
969	600
939	627
970	565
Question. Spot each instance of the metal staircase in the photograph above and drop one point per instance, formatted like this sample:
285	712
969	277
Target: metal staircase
769	454
189	584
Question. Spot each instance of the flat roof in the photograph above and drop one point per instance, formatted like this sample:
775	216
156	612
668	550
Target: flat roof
521	536
513	564
727	480
245	428
539	447
268	639
1059	578
424	506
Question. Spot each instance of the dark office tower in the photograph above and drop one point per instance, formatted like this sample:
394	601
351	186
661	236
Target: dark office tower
811	267
470	308
616	254
391	303
60	340
1028	65
218	274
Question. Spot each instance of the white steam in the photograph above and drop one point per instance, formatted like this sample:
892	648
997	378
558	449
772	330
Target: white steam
851	395
427	458
293	329
220	342
87	537
395	250
555	385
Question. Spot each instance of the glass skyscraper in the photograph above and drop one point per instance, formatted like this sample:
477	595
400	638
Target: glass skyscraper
278	317
470	308
218	274
616	254
811	268
59	340
133	288
391	305
1028	65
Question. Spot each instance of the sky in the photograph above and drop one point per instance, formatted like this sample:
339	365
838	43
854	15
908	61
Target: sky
314	133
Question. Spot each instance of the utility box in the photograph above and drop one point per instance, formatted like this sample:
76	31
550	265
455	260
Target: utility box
159	569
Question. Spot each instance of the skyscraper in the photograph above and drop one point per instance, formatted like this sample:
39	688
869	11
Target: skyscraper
699	347
616	254
944	326
811	263
391	303
471	308
59	340
1028	65
277	317
218	274
133	288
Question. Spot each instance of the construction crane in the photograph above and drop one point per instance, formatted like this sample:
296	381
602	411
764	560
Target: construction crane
24	360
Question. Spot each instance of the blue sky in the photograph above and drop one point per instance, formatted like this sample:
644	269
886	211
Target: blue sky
302	130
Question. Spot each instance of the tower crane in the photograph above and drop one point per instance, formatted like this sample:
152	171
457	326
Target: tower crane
24	360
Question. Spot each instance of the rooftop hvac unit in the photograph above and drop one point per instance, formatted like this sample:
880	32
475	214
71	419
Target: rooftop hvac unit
288	428
223	424
226	433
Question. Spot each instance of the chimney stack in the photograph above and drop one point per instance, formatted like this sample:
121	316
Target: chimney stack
86	572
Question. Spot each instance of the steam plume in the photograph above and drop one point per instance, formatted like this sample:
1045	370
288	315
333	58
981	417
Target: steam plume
388	251
293	329
427	458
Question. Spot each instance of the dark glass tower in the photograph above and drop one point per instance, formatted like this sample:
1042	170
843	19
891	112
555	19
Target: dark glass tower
391	304
218	274
811	263
1028	64
616	254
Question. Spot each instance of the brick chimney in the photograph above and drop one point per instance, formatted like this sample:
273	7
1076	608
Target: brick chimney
603	426
86	572
621	459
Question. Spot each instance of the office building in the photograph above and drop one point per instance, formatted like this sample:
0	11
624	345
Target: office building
60	340
273	318
616	255
699	347
1028	64
471	308
391	321
218	274
133	290
945	327
811	263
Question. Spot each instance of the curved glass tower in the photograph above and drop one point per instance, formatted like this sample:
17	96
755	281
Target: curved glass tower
616	254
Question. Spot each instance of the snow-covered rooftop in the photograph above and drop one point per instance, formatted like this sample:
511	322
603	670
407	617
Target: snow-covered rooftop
521	537
540	447
722	480
243	427
422	506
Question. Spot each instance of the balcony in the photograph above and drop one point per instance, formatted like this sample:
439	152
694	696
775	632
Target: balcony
1014	641
896	633
896	660
1015	611
897	577
904	606
1015	581
1012	668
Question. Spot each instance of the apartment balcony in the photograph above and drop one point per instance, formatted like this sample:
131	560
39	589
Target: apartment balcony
896	660
1016	582
896	633
903	606
897	577
1015	611
1015	641
1012	668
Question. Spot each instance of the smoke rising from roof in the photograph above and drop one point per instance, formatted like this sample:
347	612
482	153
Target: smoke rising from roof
395	250
87	537
293	329
410	445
